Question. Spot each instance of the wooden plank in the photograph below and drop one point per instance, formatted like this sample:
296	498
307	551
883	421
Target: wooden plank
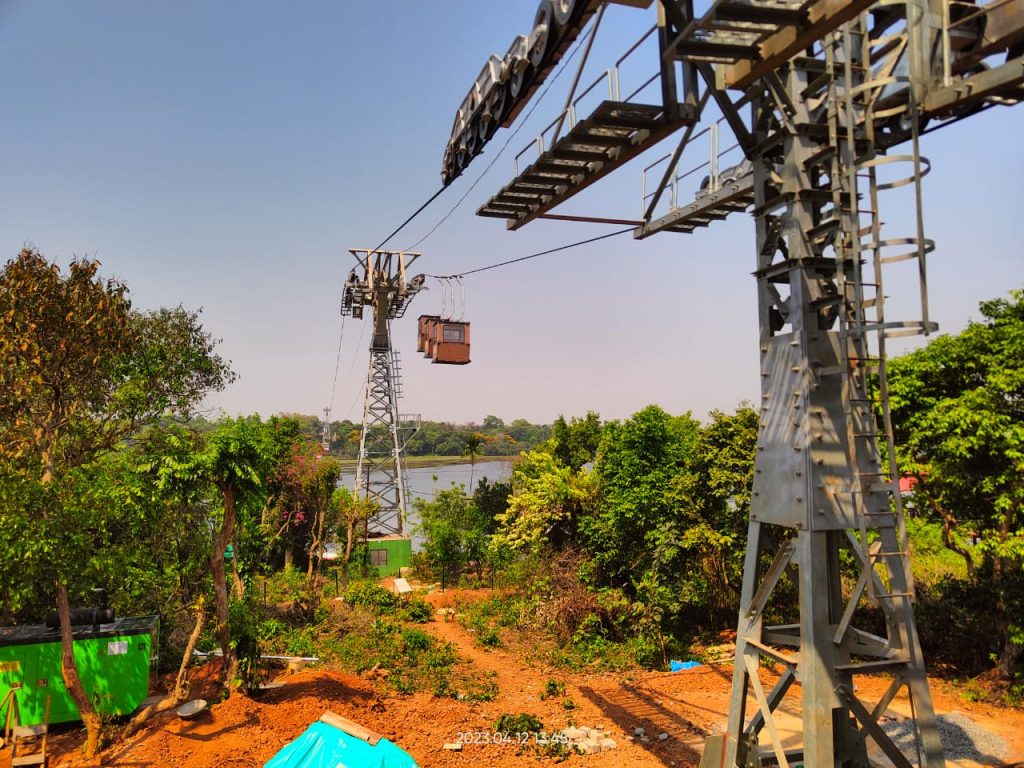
37	759
28	731
823	17
351	728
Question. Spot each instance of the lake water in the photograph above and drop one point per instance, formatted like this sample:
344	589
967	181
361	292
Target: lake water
425	482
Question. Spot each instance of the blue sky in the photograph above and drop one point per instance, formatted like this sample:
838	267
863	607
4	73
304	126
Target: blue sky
225	155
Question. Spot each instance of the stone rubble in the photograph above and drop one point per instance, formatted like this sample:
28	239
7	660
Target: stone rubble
586	741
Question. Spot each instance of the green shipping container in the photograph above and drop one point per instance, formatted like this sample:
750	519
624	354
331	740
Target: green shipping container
389	553
114	662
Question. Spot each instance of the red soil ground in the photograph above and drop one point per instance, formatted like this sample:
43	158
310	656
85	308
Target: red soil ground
685	705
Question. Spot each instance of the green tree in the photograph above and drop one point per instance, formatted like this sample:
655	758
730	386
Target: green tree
546	505
82	371
236	460
308	480
713	517
491	499
958	412
493	424
642	467
455	532
576	442
473	442
351	515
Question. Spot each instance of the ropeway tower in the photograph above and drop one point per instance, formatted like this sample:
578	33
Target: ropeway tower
380	283
827	102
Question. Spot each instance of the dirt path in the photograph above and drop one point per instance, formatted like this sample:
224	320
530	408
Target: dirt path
613	702
687	706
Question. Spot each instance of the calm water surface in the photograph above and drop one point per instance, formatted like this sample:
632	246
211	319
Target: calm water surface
425	482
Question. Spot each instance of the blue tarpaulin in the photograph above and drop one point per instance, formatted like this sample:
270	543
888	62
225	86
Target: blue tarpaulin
324	746
678	666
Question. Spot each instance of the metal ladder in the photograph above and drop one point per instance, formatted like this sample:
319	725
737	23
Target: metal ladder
853	90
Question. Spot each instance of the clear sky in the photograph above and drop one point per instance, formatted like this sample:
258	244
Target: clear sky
225	155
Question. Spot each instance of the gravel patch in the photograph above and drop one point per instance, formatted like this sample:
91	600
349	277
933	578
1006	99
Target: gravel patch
962	738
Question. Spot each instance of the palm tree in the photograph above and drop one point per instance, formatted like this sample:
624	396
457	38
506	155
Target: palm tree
473	442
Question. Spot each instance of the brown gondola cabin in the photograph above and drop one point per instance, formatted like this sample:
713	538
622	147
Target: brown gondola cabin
451	342
423	335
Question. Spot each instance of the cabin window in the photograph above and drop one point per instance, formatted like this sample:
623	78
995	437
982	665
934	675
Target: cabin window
379	557
455	333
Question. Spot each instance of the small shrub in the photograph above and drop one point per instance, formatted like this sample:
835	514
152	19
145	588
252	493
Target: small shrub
568	703
371	595
553	689
440	655
442	685
558	749
243	620
270	629
414	660
520	723
417	610
402	684
489	639
299	642
481	690
416	640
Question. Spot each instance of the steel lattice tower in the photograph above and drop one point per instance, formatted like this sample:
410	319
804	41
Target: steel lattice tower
832	89
380	476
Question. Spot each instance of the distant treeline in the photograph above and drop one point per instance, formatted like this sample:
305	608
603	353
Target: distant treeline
493	437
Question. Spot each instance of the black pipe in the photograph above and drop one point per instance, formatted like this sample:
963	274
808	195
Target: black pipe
82	616
100	613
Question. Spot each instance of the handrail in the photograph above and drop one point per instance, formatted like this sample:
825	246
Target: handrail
647	82
674	178
635	45
611	90
569	113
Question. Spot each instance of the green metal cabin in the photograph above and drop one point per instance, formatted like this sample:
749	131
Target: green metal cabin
114	661
388	554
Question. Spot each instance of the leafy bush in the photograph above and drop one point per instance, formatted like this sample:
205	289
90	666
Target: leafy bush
416	640
414	660
371	595
520	723
243	620
269	629
489	639
553	689
300	642
417	610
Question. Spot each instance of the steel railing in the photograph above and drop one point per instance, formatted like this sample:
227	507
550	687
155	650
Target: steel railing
611	76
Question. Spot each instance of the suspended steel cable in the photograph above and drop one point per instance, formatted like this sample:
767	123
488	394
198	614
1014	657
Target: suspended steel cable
337	367
415	213
460	275
352	367
536	102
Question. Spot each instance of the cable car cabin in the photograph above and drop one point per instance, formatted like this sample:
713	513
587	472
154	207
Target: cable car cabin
425	343
423	335
450	342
